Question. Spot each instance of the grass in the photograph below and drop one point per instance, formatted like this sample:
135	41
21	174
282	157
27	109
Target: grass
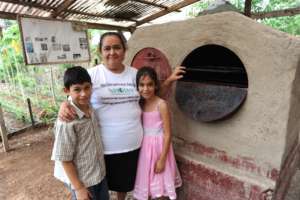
15	105
19	112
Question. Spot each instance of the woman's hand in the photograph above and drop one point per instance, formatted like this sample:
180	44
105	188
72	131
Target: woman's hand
83	194
159	166
66	112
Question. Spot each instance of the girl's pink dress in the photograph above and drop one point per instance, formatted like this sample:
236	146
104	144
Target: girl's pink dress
148	183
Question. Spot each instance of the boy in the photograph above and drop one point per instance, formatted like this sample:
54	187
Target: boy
77	150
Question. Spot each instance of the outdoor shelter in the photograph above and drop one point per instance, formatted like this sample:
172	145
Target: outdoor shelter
123	15
129	15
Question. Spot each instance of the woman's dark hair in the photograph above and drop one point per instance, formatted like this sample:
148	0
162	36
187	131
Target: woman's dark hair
147	71
117	34
76	75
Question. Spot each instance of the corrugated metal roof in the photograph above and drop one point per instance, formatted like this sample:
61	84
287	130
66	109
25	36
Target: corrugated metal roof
120	13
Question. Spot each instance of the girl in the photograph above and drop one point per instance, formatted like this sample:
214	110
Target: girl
157	173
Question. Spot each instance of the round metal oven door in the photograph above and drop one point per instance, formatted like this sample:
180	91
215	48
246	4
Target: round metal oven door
214	86
154	58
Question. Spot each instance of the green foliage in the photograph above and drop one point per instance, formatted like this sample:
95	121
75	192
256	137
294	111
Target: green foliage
19	112
266	5
23	81
50	113
34	82
287	24
63	67
94	36
26	81
199	7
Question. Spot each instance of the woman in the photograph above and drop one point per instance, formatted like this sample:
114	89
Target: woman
115	100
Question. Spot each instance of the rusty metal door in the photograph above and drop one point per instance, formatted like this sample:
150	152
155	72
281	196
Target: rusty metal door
154	58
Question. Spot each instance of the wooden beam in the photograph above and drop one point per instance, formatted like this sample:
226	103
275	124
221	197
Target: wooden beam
107	27
47	8
151	4
247	10
164	12
6	15
13	16
97	15
276	13
31	4
3	131
62	7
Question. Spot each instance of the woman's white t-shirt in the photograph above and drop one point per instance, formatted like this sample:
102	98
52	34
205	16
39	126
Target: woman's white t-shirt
115	100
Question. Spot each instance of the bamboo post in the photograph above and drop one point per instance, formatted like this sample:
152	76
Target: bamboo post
3	131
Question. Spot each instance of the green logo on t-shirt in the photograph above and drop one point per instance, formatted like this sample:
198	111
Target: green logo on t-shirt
121	91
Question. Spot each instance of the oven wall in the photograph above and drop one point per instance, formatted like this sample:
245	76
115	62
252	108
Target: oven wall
249	148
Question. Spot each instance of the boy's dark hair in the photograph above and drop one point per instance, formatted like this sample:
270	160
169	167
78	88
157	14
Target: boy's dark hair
76	75
117	34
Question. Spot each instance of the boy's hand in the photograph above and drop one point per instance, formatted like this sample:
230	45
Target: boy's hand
159	166
83	194
66	112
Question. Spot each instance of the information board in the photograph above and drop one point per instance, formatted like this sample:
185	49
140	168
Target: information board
47	41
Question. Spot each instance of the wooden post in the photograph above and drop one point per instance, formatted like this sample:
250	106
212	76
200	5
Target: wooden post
247	10
30	112
3	131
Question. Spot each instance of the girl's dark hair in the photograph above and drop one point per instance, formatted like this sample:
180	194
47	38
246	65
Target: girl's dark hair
117	34
147	71
76	75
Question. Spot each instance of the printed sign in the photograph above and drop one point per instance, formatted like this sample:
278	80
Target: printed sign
48	41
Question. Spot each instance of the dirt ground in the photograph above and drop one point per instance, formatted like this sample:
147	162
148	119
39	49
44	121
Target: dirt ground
26	171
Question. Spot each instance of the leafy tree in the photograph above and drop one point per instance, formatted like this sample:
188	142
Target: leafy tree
94	36
9	48
287	24
11	55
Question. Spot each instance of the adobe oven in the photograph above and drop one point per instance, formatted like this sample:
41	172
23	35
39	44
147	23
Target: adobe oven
235	114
